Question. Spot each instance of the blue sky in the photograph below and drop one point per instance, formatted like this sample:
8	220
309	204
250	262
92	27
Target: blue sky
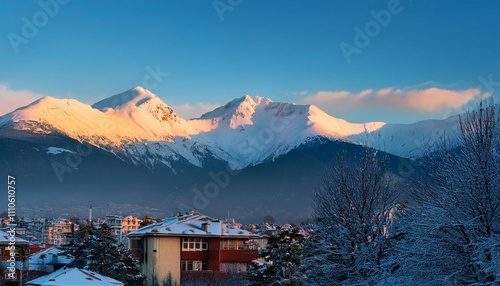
428	60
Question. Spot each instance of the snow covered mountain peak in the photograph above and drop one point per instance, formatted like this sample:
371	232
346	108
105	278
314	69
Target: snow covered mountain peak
137	99
46	108
230	107
280	127
49	102
133	97
235	113
259	100
240	107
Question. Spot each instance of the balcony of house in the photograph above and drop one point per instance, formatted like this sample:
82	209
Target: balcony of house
196	271
240	250
194	248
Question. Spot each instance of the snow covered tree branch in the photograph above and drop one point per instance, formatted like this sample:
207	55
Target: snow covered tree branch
354	208
453	238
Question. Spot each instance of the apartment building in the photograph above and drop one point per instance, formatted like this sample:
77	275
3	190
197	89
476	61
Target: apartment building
193	245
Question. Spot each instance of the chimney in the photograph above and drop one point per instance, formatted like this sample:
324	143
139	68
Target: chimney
204	226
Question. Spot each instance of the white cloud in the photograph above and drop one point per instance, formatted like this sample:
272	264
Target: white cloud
428	102
188	111
12	99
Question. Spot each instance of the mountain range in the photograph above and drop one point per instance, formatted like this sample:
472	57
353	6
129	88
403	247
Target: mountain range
252	156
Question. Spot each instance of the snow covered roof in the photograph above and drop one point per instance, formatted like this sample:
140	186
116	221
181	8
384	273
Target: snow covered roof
47	257
73	276
59	221
5	239
192	225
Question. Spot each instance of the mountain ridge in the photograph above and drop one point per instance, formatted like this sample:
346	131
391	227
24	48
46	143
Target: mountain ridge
138	126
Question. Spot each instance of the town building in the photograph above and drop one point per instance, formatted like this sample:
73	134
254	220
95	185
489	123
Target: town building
122	226
193	245
58	232
49	260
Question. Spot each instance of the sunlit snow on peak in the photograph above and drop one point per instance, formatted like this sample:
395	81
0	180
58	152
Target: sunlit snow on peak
133	97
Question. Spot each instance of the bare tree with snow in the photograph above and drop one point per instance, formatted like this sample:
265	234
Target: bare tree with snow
354	208
453	238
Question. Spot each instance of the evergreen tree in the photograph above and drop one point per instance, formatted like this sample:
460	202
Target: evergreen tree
280	259
80	245
98	250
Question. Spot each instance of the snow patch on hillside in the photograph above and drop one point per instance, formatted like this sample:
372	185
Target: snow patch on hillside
57	150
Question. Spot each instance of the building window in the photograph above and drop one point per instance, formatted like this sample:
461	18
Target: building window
232	244
194	265
228	244
194	244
